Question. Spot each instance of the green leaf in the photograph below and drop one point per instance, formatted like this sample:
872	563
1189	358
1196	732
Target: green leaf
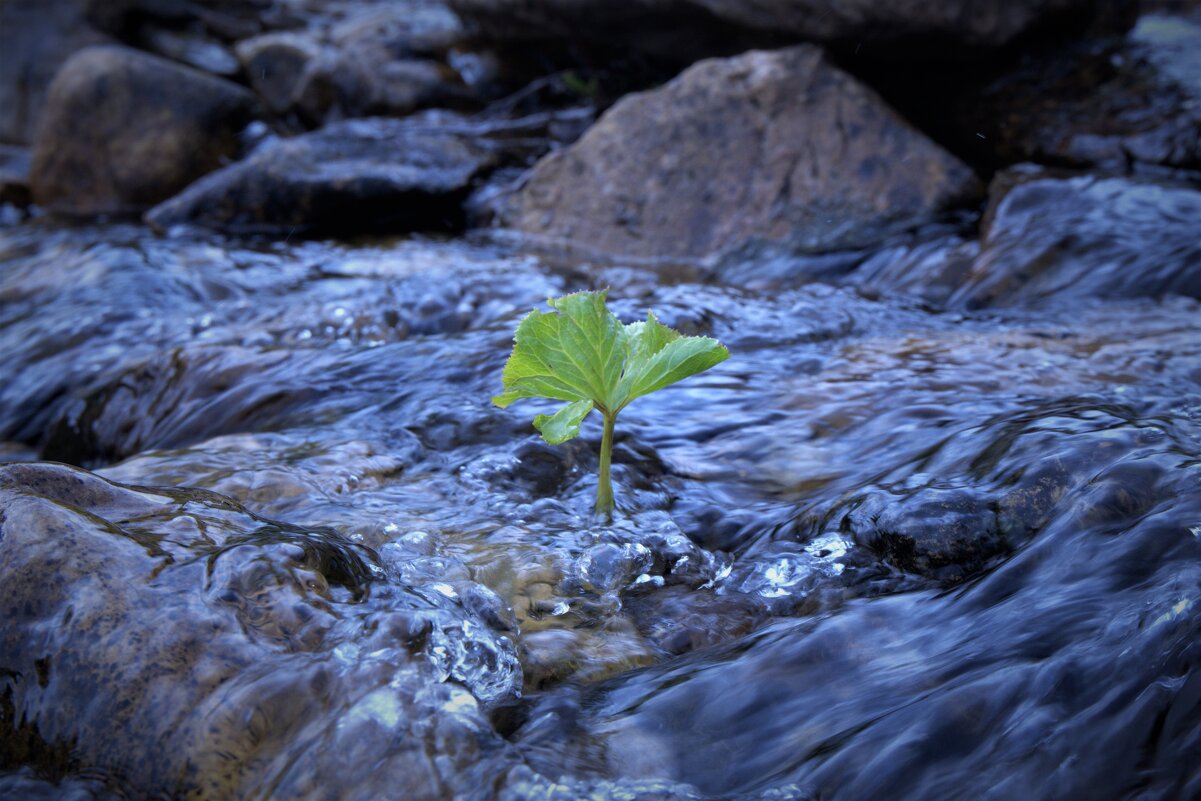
563	424
574	354
659	356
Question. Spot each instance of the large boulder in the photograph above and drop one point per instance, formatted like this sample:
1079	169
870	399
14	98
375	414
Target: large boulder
649	24
123	130
36	37
776	149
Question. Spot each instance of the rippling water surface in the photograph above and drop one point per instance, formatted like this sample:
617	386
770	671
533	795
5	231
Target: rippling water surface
896	547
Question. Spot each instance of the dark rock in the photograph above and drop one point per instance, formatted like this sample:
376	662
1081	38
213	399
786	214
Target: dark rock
1106	102
678	620
124	130
36	37
274	64
1067	238
945	534
770	148
359	175
14	176
693	26
177	398
224	19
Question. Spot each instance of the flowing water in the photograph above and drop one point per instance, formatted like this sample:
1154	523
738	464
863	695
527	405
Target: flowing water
896	547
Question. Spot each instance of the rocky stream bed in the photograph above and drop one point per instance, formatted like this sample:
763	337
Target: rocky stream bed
932	531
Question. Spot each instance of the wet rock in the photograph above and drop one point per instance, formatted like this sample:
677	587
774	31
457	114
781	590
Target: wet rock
159	403
174	639
691	25
358	175
767	150
945	534
124	130
38	37
1108	102
677	620
1057	238
553	655
610	567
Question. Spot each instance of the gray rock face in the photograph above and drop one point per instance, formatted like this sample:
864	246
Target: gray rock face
36	37
647	23
770	148
1071	238
123	130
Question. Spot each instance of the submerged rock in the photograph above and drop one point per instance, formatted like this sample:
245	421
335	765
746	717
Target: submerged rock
1047	237
124	130
769	149
173	639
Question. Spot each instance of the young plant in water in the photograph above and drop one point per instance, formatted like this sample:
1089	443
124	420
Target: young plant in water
581	353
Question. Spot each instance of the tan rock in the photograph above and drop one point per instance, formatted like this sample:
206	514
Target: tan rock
777	148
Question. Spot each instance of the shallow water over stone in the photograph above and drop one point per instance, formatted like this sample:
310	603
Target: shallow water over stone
889	549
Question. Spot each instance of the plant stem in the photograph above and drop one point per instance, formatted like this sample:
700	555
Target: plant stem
604	487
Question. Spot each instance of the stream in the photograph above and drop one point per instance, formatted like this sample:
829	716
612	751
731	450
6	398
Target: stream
899	545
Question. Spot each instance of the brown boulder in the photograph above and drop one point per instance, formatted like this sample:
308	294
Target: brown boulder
769	148
123	130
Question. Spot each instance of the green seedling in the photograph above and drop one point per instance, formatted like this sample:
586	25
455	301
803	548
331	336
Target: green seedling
581	353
